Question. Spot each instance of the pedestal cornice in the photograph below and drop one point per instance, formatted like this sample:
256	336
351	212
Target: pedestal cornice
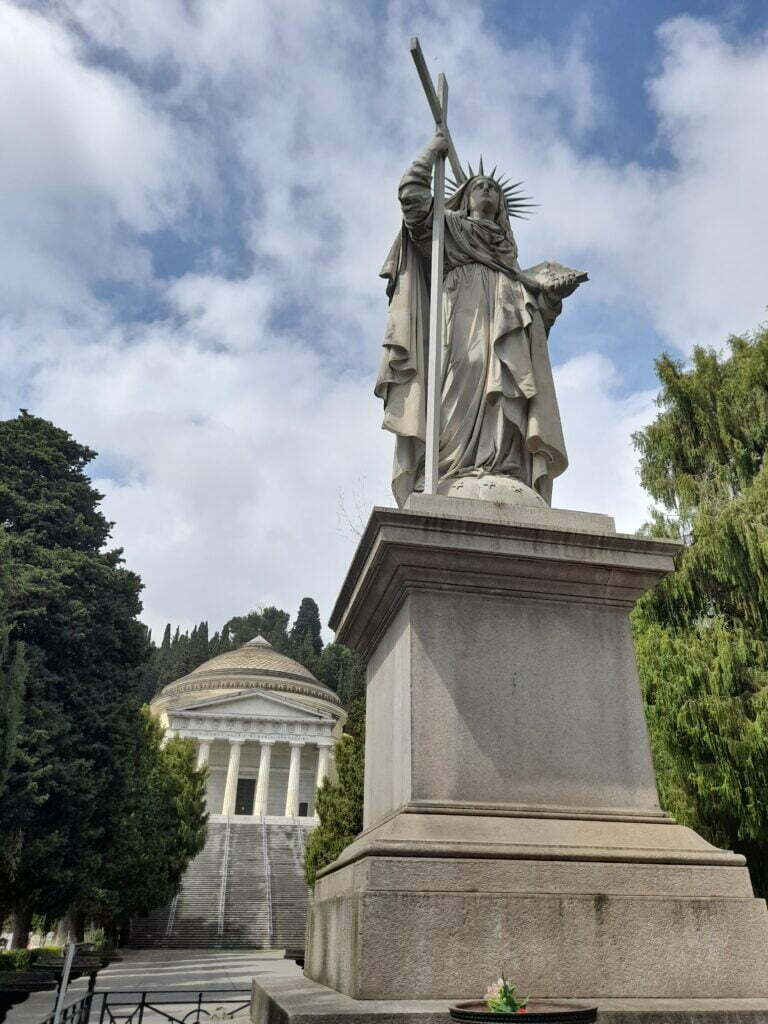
545	557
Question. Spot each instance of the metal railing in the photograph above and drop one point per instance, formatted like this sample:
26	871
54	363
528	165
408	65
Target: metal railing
177	1007
75	1013
165	1006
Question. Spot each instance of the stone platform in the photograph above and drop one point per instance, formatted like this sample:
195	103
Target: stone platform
281	1000
511	815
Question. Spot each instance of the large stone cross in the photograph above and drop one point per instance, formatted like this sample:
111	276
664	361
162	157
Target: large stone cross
438	104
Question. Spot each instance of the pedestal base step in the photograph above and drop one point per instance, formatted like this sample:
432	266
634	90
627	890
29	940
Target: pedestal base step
297	1000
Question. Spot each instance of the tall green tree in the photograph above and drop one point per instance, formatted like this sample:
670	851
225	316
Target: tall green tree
182	652
351	687
13	671
242	628
146	862
339	803
75	608
306	624
274	628
332	664
702	634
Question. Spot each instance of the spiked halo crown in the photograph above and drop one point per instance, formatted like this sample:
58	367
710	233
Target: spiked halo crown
517	204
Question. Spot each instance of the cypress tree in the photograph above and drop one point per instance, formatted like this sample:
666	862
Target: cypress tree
352	680
146	863
332	663
305	655
199	650
306	623
339	804
702	634
13	671
75	608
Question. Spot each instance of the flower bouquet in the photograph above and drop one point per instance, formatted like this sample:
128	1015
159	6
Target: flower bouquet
502	1002
502	998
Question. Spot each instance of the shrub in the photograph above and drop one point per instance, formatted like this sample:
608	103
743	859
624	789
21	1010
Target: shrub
16	960
340	803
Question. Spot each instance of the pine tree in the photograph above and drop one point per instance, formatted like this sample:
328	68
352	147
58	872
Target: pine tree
274	628
702	634
243	628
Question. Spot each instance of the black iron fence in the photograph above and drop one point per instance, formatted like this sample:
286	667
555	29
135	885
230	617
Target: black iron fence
75	1013
210	1006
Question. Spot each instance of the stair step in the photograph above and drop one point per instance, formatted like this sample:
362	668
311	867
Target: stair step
265	905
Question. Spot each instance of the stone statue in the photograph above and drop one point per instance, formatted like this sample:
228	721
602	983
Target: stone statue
500	435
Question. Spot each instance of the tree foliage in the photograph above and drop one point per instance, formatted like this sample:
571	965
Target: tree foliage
339	803
306	629
702	634
74	607
182	652
710	439
154	833
13	672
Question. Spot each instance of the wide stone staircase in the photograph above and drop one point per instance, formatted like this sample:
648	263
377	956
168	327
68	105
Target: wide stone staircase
245	889
285	848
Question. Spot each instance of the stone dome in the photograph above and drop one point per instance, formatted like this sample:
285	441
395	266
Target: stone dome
255	665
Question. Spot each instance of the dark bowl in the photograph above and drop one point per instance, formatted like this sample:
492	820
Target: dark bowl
538	1011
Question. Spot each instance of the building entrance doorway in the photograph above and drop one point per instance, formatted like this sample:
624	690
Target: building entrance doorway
246	792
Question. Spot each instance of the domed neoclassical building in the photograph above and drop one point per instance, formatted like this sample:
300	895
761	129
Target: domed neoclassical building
263	724
266	728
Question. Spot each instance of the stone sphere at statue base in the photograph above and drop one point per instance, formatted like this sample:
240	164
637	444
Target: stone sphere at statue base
504	489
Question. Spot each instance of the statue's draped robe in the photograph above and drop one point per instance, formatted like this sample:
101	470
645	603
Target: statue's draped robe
499	412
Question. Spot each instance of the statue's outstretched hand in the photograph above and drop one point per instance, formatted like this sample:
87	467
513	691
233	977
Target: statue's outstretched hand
438	145
553	280
564	286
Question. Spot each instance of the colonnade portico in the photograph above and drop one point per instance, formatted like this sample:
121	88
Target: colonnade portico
316	748
263	725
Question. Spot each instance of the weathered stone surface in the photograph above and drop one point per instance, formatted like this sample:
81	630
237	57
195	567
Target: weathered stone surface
281	1000
490	488
540	834
511	813
550	560
500	663
429	944
463	874
469	509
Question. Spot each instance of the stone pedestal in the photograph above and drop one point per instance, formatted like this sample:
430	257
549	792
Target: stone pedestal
511	814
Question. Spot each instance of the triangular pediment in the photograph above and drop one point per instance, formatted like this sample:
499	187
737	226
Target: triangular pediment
253	704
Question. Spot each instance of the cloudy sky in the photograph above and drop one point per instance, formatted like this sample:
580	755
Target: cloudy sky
196	197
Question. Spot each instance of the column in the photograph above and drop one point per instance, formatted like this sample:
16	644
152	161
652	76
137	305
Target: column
323	757
203	752
262	784
292	796
233	771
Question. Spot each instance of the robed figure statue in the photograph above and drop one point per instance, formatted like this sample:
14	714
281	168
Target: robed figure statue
500	431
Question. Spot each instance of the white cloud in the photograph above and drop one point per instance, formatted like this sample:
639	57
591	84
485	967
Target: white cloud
598	422
87	164
235	424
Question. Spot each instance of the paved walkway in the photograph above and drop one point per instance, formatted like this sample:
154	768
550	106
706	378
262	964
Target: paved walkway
142	970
